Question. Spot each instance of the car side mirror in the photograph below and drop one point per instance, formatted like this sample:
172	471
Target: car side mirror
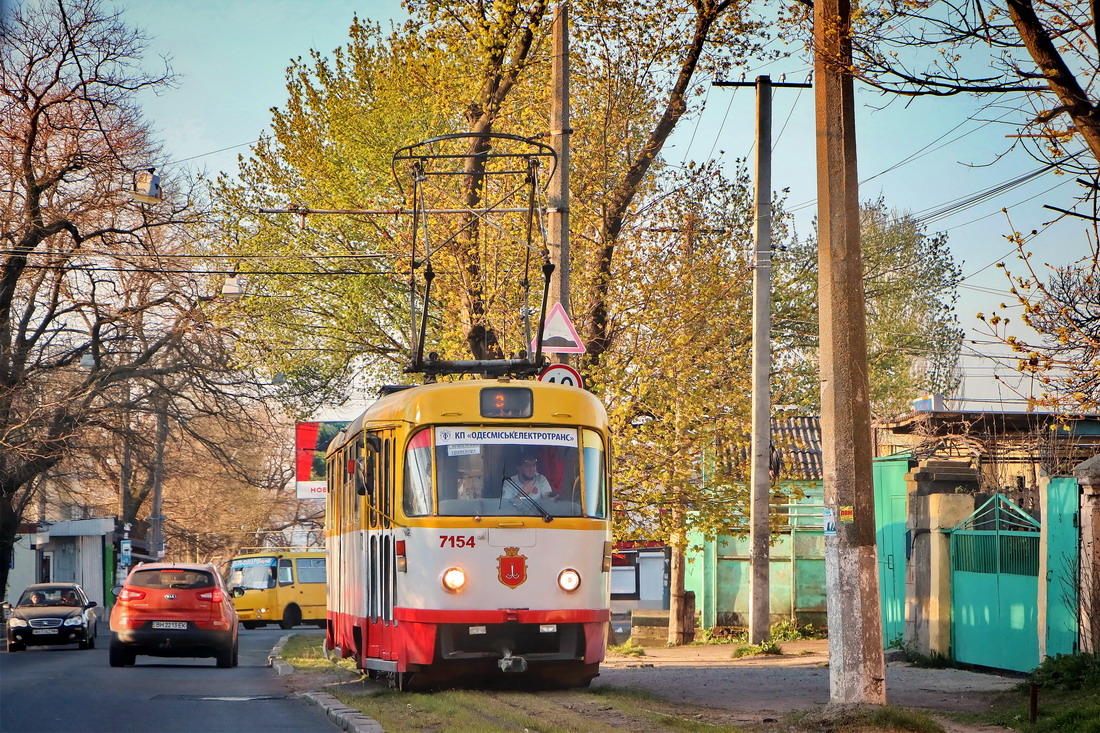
236	591
91	604
116	590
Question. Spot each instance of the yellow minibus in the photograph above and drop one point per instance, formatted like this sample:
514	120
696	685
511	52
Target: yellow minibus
280	587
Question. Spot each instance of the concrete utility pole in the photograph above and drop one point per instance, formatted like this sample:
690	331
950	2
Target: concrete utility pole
760	472
857	672
557	217
760	552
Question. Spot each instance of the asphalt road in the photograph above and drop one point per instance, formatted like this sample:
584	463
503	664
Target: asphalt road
64	689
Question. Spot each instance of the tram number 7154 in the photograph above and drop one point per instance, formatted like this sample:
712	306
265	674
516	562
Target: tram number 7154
450	540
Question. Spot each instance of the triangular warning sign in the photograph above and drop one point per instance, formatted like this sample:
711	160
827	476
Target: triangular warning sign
558	334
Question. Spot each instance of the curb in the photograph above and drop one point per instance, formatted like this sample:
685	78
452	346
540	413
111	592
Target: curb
343	717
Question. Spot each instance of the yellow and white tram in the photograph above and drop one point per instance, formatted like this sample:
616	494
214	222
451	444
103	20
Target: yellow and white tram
469	534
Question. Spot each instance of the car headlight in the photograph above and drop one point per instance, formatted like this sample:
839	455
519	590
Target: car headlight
73	621
16	622
569	580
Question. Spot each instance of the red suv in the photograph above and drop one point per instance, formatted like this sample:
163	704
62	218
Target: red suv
173	610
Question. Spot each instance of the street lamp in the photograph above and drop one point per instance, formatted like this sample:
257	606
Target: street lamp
232	289
146	187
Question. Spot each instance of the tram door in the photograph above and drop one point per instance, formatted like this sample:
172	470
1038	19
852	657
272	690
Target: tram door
379	550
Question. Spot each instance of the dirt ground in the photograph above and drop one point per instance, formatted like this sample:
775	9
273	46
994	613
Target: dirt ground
763	688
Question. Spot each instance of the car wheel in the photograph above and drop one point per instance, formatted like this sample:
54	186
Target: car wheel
15	646
236	654
84	644
249	625
91	638
292	616
224	655
120	656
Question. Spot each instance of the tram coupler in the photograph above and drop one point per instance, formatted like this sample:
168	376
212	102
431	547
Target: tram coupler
512	664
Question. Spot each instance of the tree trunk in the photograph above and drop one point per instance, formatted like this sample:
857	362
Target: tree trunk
9	528
681	610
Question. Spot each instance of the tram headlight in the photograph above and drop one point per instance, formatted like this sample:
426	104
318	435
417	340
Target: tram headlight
569	580
454	579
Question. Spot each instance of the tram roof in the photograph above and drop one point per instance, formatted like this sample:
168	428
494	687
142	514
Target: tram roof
443	403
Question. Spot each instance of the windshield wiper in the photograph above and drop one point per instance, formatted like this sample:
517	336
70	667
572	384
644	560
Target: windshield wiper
546	516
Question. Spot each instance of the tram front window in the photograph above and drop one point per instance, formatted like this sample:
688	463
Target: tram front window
502	472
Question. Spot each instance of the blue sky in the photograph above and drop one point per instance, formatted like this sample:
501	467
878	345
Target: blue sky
920	155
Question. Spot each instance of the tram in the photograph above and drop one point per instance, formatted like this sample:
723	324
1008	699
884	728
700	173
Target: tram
468	532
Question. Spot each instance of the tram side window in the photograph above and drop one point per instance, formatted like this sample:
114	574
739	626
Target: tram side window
330	493
387	482
374	506
351	457
595	477
417	500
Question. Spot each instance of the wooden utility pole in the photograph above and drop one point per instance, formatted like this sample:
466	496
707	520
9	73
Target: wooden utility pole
856	664
557	212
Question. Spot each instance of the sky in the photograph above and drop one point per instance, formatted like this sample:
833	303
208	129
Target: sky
920	155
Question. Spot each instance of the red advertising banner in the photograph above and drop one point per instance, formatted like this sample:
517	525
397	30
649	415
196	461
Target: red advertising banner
311	440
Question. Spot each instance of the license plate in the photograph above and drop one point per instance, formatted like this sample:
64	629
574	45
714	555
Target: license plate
44	632
169	624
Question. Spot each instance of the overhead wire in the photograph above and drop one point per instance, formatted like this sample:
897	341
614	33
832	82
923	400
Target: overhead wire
928	149
162	271
152	255
790	114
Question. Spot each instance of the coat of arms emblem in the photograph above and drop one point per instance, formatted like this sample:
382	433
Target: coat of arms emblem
512	567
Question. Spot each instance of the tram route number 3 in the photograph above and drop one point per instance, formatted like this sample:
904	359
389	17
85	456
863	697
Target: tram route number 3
450	540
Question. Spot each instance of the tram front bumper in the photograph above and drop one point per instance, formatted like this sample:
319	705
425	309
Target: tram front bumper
514	644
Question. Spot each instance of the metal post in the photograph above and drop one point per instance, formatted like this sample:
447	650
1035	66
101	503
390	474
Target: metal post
856	659
156	519
760	557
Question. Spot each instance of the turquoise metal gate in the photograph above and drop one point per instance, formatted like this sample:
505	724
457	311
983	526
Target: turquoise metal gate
995	588
890	518
1063	565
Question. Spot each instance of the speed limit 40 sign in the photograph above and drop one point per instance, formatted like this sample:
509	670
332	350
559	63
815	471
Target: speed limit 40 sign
562	374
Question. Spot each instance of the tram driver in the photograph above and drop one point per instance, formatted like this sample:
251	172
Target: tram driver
527	481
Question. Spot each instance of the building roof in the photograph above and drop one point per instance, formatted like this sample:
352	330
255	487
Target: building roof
986	421
796	448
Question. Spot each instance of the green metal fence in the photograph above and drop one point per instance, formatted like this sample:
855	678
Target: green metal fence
719	571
